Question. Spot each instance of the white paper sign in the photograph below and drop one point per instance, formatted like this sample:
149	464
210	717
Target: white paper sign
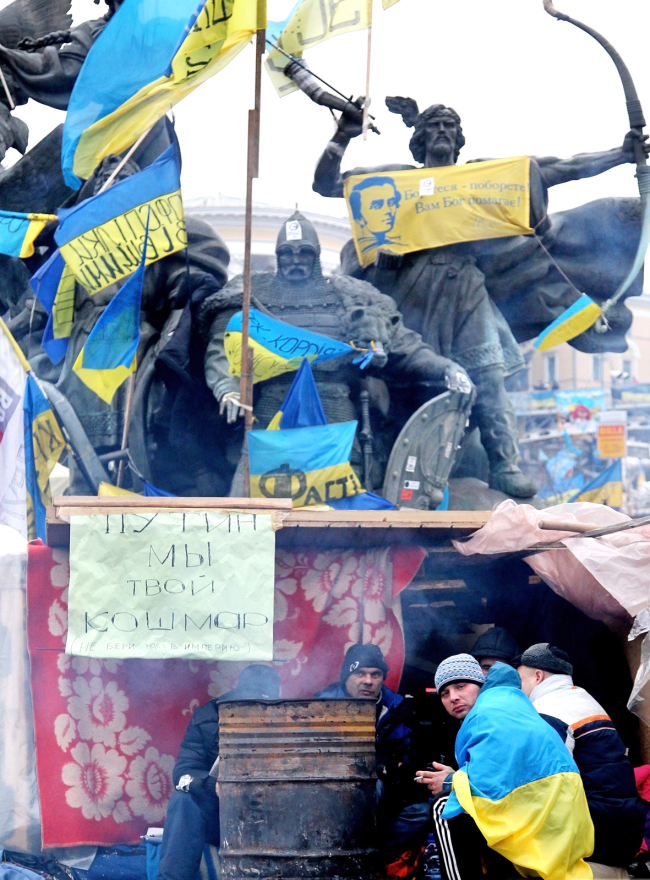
427	187
195	585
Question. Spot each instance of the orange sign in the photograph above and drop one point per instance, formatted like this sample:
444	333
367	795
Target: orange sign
611	441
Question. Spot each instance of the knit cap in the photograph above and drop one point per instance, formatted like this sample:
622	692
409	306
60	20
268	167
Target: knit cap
460	667
497	643
546	657
359	656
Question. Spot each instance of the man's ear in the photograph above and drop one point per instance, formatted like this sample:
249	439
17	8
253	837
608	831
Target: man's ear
539	676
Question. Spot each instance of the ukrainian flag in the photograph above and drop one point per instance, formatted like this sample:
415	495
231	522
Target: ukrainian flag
102	238
301	409
44	445
278	347
19	231
575	320
309	465
519	783
606	488
151	54
54	286
109	355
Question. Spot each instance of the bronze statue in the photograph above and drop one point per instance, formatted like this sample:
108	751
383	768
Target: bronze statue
345	309
442	293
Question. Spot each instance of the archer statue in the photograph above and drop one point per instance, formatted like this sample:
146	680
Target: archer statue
441	291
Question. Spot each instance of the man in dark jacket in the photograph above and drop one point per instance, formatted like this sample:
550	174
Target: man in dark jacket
193	812
495	645
618	813
403	815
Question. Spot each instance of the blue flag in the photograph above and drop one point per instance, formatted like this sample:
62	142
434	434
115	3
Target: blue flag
44	445
101	239
151	54
606	488
109	355
54	286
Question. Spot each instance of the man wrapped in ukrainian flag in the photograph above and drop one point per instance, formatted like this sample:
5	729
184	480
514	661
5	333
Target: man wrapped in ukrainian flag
516	801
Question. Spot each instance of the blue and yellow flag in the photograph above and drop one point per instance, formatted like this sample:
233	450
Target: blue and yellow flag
151	54
302	407
606	488
54	286
278	347
44	445
398	212
19	231
101	239
575	320
309	465
109	355
519	783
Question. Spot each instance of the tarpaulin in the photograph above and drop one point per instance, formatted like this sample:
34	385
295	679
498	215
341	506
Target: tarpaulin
108	731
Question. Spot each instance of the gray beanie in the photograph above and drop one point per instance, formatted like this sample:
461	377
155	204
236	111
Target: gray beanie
546	657
460	667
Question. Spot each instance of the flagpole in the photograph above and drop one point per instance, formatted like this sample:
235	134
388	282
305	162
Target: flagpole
366	104
252	171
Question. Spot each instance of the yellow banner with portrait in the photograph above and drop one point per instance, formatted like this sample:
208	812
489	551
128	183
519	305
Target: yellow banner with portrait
398	212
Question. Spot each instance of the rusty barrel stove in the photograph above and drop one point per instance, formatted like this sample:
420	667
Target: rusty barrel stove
297	789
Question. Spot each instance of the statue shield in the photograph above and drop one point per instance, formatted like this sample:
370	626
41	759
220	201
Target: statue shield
425	450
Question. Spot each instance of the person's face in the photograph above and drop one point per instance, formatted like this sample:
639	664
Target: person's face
440	141
530	678
459	698
365	682
296	264
486	663
378	207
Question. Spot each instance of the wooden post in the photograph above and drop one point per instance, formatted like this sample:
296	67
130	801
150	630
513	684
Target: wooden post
366	106
128	410
252	171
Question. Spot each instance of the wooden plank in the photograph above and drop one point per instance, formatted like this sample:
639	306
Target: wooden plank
133	502
387	519
58	529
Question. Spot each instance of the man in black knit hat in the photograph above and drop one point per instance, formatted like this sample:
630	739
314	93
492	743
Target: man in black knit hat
495	644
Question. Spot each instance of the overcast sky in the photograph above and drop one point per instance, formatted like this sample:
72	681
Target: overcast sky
521	81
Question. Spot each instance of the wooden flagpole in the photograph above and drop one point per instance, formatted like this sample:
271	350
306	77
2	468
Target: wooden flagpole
366	105
252	171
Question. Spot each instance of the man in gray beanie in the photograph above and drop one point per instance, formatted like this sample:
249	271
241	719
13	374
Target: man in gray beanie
618	813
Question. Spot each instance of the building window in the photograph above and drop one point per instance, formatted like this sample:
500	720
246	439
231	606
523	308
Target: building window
551	370
597	368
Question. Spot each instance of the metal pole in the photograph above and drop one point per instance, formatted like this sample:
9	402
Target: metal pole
252	171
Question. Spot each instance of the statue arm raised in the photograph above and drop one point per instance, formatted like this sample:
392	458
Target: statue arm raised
48	76
555	171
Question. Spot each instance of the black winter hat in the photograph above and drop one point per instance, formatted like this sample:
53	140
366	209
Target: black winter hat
359	656
496	642
546	657
257	682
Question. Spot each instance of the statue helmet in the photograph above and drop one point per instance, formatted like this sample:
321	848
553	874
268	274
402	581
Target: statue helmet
298	232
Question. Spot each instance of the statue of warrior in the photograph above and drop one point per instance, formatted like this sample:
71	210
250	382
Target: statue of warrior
441	292
337	306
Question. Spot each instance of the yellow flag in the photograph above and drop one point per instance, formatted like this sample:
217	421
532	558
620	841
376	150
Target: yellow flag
314	22
398	212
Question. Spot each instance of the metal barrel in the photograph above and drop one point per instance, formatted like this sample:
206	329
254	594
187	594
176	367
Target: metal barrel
297	789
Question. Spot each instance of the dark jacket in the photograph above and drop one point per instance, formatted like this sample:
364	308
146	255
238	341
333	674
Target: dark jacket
617	811
199	750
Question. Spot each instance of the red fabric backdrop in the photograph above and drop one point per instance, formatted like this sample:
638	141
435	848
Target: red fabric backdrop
107	731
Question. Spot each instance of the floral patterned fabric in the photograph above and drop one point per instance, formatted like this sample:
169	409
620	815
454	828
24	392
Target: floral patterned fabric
107	731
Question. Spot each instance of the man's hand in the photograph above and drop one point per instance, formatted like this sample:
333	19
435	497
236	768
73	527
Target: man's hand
433	779
456	379
230	404
632	138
